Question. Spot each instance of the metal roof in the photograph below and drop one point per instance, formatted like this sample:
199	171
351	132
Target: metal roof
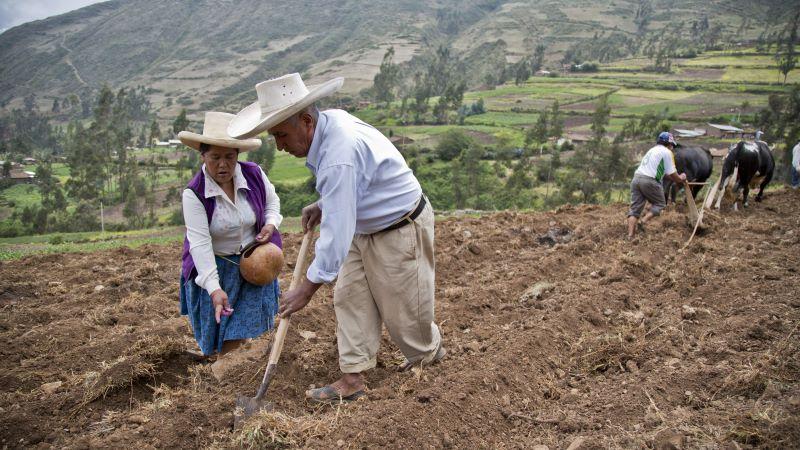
690	133
726	128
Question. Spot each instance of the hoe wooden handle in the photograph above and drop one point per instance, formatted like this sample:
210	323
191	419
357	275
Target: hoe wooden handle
283	325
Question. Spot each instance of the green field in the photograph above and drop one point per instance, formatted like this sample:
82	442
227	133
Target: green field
736	74
288	169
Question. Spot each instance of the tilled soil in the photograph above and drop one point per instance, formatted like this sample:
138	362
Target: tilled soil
558	331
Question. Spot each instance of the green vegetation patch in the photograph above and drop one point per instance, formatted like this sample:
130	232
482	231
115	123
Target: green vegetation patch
288	169
737	74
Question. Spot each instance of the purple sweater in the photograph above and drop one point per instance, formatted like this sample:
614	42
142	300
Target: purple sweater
256	196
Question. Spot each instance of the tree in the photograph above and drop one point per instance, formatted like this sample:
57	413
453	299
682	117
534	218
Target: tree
786	55
56	106
538	133
556	121
421	92
29	102
264	155
600	118
85	161
6	169
471	179
521	72
155	132
180	123
538	58
781	119
452	143
644	13
386	79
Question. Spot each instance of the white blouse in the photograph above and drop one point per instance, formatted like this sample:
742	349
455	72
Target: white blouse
232	224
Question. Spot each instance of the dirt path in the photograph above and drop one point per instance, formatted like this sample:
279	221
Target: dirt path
67	59
621	348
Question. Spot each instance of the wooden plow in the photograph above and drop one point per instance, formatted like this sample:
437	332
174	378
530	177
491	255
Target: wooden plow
695	216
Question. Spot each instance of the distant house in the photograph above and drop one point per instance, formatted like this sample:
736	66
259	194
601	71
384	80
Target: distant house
688	134
22	176
29	160
400	141
174	142
725	131
542	73
162	144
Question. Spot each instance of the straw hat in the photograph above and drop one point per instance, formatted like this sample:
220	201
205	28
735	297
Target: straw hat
215	132
278	99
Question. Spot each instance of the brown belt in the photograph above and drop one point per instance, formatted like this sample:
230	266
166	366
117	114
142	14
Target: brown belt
409	217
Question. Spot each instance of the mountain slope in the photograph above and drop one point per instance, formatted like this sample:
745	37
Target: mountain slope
203	53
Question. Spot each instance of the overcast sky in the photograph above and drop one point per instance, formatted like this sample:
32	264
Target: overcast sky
16	12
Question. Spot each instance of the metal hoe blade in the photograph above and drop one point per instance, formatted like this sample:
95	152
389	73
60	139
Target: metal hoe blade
249	406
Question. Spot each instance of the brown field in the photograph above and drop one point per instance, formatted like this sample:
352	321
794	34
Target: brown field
628	345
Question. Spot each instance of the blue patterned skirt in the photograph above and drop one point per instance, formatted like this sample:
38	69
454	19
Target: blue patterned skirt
254	308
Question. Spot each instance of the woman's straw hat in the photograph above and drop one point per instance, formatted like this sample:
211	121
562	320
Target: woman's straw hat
215	132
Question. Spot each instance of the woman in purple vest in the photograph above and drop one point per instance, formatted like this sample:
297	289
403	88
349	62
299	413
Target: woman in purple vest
227	205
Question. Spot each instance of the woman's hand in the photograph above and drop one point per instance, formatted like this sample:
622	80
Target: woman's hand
221	307
311	217
265	233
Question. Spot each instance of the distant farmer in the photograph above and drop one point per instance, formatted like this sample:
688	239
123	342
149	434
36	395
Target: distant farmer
796	166
227	205
376	230
759	135
657	163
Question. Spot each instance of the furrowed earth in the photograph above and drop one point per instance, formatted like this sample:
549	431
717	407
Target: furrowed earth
559	332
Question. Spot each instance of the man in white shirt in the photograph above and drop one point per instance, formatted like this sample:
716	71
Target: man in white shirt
657	163
796	166
376	231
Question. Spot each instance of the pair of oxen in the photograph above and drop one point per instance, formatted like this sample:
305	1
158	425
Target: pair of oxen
752	161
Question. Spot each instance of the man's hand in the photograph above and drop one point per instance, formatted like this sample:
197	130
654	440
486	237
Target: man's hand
311	217
265	233
677	178
297	298
220	301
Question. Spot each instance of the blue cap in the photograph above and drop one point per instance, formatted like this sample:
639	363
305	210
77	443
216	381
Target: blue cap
665	137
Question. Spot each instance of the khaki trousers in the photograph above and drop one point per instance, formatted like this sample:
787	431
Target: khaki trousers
387	278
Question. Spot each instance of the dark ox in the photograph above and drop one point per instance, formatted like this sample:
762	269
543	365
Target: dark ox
696	163
755	165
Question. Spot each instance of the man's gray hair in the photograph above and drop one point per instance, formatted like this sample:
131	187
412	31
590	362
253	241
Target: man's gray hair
311	110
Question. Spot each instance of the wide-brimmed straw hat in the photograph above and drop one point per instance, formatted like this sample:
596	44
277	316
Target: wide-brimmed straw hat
278	99
215	132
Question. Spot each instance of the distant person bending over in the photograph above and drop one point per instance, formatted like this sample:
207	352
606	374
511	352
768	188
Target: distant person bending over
796	166
657	163
227	205
376	230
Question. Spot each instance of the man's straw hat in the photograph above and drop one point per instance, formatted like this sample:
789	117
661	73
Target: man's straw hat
278	99
215	132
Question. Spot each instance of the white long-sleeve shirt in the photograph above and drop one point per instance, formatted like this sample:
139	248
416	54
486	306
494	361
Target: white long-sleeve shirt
232	224
364	184
796	157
